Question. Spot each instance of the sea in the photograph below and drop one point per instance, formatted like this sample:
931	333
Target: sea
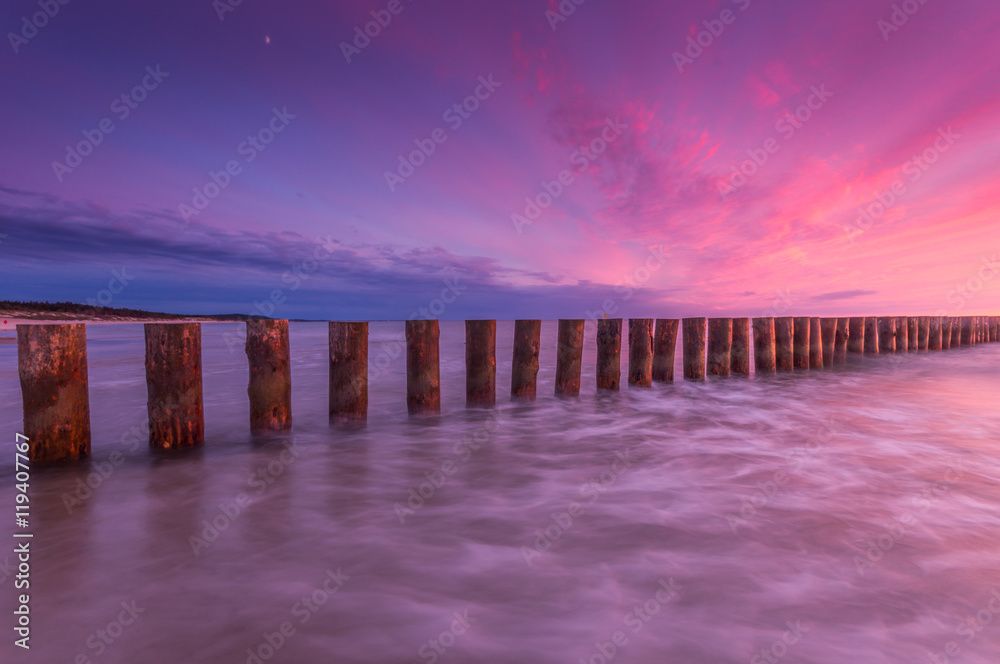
834	516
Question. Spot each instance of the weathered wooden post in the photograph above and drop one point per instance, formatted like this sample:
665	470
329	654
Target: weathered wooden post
740	351
923	332
175	403
815	344
871	335
856	335
840	341
802	329
912	333
902	334
664	346
934	333
609	353
640	352
270	386
524	366
52	367
828	333
886	334
966	331
348	348
480	362
569	357
720	344
993	328
694	348
784	355
423	367
763	345
954	332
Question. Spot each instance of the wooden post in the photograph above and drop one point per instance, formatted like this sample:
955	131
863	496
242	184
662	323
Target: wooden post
694	348
923	332
524	366
913	333
609	353
270	385
763	345
953	332
856	335
840	340
740	351
423	367
802	325
480	362
886	334
784	356
720	344
993	328
966	331
934	333
664	346
816	343
871	335
902	334
348	348
828	332
52	368
175	402
569	357
640	352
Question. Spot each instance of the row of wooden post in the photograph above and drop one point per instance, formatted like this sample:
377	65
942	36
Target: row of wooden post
52	364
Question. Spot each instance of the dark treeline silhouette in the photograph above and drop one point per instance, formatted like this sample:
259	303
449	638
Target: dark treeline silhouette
90	311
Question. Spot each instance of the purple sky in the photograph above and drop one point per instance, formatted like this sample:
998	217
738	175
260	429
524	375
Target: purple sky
644	128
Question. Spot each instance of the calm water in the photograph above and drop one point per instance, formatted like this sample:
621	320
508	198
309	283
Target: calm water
838	516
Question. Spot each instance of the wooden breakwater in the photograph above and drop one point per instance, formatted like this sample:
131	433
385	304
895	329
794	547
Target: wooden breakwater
52	365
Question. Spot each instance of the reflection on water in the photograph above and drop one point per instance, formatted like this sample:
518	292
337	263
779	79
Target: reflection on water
846	515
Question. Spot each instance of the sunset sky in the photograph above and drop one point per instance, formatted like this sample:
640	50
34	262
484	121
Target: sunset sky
647	128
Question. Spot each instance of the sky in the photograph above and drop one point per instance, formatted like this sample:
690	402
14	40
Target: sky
386	159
